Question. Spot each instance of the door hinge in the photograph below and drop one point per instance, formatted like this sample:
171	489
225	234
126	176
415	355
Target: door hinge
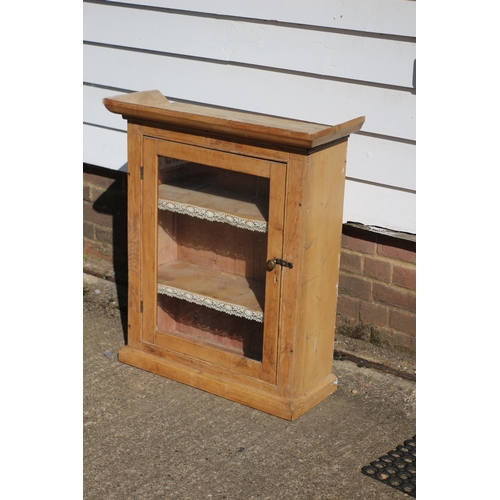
141	305
141	173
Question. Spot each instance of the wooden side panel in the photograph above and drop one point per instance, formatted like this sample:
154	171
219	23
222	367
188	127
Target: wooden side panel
295	211
315	187
318	286
134	235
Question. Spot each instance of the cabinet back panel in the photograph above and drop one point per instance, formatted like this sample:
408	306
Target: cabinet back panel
222	247
212	245
235	183
210	327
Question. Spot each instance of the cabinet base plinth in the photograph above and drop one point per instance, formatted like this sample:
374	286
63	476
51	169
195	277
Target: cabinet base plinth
288	409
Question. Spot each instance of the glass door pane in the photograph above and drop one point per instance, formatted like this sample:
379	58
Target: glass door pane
211	255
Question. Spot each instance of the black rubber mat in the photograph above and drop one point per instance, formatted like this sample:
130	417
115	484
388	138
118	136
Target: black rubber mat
398	468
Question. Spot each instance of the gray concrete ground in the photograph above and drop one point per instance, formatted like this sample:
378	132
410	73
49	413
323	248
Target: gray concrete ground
147	437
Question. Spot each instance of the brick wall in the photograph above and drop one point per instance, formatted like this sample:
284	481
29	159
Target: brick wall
377	272
105	221
377	288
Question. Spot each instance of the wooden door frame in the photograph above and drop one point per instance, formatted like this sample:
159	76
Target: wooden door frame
153	148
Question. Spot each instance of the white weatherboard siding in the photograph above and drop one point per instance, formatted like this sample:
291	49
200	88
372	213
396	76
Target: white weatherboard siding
320	61
317	52
388	111
394	17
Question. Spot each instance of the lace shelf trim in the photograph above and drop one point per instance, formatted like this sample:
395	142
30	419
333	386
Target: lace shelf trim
218	305
212	215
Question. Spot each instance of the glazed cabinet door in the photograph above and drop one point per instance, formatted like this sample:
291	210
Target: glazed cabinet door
210	222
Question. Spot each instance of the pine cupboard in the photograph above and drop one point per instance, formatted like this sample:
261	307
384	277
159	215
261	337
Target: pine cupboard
234	231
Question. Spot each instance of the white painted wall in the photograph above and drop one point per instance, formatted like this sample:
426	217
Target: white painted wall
323	61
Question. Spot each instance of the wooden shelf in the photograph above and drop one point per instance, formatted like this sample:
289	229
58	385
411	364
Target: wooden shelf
212	288
214	204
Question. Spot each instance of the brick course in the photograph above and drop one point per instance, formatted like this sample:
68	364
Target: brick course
86	193
393	252
377	296
403	321
378	269
354	286
104	235
93	216
358	245
394	296
402	341
351	262
373	313
404	276
348	306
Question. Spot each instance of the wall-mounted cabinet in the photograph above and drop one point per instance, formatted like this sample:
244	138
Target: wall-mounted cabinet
234	229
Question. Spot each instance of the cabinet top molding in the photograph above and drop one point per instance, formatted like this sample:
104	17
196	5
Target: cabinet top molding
155	107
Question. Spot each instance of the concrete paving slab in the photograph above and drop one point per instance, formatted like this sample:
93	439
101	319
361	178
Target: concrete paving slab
147	437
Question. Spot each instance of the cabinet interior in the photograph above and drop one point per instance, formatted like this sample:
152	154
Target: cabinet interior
211	256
